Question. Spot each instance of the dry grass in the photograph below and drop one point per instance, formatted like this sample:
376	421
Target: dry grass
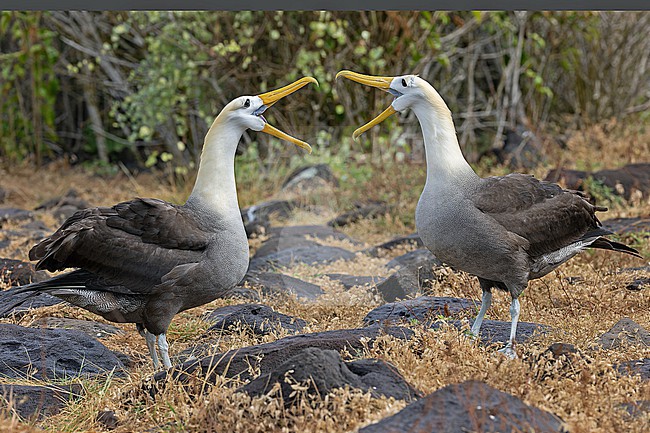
586	393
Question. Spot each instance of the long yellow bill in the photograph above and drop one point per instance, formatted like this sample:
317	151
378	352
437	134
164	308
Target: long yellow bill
270	98
382	83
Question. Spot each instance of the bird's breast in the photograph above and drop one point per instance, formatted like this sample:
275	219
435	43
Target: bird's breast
462	237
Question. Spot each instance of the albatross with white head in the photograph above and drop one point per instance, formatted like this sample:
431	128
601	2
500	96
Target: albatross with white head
506	230
145	260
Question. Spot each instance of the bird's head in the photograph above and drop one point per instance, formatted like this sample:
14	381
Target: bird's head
409	92
247	111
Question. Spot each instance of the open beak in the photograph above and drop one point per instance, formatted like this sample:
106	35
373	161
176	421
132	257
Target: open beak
382	83
270	98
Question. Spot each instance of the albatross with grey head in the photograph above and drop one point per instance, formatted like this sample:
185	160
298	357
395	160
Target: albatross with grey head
145	260
506	230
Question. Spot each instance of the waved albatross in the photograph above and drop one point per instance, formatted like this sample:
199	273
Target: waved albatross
506	230
145	260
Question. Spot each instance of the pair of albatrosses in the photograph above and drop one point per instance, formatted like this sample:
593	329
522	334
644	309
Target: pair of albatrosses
145	260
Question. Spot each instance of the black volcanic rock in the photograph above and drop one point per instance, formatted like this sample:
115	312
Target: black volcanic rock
408	240
260	319
30	401
349	281
53	353
496	331
368	211
640	367
415	259
627	331
310	255
276	283
92	329
421	309
470	406
624	181
269	356
309	178
18	273
323	370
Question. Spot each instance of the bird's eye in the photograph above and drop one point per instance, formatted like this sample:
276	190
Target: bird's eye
247	103
403	82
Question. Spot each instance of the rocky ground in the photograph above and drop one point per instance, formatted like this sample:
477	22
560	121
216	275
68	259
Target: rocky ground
336	330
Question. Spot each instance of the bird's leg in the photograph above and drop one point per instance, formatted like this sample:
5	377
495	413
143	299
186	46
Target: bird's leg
151	343
164	350
485	304
514	315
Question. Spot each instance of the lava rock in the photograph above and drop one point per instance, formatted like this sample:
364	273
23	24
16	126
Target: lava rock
624	181
638	284
309	178
312	231
22	237
350	281
310	255
260	319
36	225
269	356
292	237
368	211
414	260
30	401
640	367
14	214
70	198
520	149
108	419
422	309
637	408
624	226
18	273
407	281
324	370
280	243
51	353
415	269
383	378
496	331
275	283
63	207
409	240
280	209
90	328
468	406
627	331
317	231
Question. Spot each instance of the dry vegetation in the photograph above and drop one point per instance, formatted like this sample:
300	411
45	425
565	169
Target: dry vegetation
586	393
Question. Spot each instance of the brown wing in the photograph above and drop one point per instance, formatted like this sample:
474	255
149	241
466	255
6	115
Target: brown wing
133	243
543	213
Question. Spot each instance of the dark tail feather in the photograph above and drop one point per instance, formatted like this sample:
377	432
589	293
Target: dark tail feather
606	244
5	312
72	278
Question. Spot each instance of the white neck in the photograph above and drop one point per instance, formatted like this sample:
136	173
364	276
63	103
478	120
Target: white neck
445	161
215	186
